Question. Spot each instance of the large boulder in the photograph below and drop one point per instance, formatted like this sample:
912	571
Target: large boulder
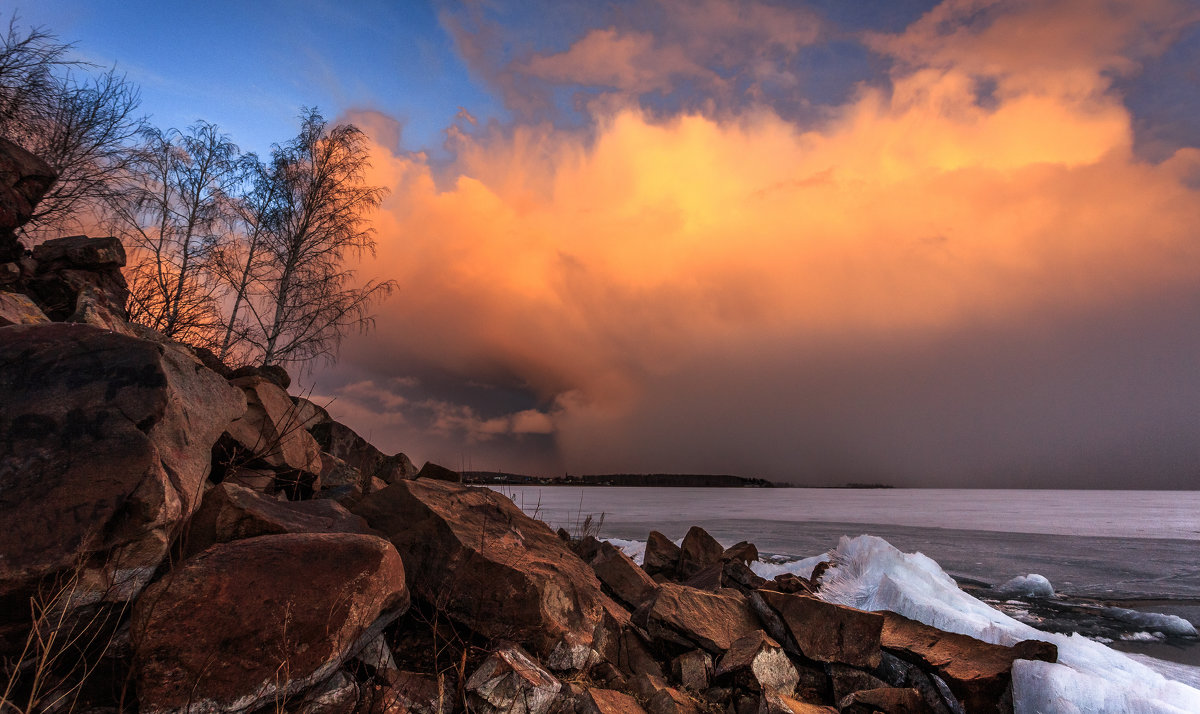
79	279
978	673
231	512
826	632
106	444
608	701
24	179
247	623
344	443
505	575
697	618
661	556
698	551
269	435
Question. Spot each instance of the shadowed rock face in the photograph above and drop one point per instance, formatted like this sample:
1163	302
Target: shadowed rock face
24	179
510	682
344	443
269	435
979	673
231	512
829	633
503	574
105	443
242	622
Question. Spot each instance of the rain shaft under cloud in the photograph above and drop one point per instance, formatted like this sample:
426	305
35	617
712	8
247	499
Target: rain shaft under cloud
962	273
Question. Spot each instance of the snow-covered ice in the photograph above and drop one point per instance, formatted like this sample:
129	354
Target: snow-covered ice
870	574
803	568
1032	585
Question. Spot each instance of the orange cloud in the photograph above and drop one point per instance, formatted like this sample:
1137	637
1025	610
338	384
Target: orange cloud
597	270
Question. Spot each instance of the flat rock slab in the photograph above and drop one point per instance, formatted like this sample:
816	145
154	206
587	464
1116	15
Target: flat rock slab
105	444
244	622
829	633
231	512
628	582
977	672
609	701
758	663
712	620
888	700
493	568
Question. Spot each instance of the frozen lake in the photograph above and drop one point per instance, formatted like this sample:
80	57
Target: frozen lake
1108	544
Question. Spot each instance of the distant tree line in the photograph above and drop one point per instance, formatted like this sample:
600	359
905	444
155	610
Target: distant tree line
242	255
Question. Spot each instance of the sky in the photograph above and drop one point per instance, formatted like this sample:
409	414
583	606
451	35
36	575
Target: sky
940	244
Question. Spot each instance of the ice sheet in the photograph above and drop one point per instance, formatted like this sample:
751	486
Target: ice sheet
870	574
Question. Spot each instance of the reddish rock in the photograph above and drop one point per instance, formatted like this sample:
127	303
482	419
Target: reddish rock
671	701
691	617
647	685
977	672
503	574
339	479
106	446
888	700
269	434
743	551
698	551
711	577
608	701
344	443
230	512
737	574
662	555
440	473
420	693
509	681
829	633
775	703
309	413
633	657
338	695
18	309
247	622
758	663
629	583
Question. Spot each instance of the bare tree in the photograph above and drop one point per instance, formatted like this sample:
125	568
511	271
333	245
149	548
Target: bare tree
305	300
82	125
175	217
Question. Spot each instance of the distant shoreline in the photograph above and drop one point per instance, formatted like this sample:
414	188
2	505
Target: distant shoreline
501	478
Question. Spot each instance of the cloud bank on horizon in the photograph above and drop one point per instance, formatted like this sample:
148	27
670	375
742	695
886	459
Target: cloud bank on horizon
968	261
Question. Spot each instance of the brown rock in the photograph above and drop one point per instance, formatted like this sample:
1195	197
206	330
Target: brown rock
218	631
889	700
634	658
827	632
230	512
24	179
698	551
310	414
691	617
647	685
18	309
441	473
339	476
671	701
621	575
775	703
273	373
500	572
758	663
420	693
711	577
662	555
261	480
735	573
106	446
608	701
510	681
743	551
78	279
79	253
848	680
693	670
342	441
977	672
792	583
338	695
269	434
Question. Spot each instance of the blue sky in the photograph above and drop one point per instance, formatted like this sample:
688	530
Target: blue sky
250	66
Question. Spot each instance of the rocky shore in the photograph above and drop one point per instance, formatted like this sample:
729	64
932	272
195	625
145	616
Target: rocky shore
177	536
